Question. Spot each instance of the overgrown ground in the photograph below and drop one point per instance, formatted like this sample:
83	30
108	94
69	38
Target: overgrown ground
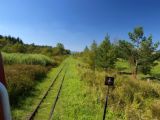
77	99
28	104
129	99
83	95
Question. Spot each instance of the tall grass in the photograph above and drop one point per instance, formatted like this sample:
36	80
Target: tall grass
21	80
29	59
129	99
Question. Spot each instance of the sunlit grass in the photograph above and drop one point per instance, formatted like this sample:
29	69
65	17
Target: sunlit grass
31	59
77	101
29	104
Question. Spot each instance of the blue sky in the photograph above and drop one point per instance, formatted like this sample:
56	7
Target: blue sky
76	23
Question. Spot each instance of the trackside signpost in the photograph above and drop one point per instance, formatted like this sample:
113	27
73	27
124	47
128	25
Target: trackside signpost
109	81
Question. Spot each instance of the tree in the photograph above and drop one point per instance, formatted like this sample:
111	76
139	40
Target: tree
86	55
86	49
60	48
140	52
106	54
93	54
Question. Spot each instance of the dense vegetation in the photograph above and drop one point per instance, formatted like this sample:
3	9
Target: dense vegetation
141	53
15	45
26	65
129	99
133	63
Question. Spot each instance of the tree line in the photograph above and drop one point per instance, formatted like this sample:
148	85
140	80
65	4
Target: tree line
140	51
15	45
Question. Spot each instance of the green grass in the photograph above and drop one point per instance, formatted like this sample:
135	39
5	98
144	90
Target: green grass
82	96
28	105
45	107
21	80
122	65
130	99
77	101
156	70
30	59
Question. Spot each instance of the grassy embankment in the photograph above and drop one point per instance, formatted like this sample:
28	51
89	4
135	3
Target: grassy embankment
129	99
29	104
23	72
76	101
83	96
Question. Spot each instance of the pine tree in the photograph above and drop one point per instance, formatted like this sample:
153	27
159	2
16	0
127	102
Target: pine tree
105	54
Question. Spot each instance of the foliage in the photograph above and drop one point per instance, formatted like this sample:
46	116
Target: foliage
30	59
106	54
27	103
128	99
102	55
15	45
21	80
140	52
93	54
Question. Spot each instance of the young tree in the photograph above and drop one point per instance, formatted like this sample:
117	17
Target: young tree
106	54
141	52
93	53
86	55
60	48
86	49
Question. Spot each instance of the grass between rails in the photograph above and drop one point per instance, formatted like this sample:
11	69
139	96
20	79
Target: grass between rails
45	108
28	105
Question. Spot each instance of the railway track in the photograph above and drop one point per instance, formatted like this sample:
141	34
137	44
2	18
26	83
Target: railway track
52	93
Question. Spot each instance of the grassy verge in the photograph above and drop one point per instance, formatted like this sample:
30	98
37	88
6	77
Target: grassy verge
21	80
29	59
77	101
27	105
129	99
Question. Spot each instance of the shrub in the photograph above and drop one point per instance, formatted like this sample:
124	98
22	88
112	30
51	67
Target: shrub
21	80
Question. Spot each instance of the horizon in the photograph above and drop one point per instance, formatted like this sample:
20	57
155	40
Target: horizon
77	23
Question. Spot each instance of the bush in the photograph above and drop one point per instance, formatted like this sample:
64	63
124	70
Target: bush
21	80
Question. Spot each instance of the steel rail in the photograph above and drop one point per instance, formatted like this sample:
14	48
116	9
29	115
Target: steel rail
56	99
31	117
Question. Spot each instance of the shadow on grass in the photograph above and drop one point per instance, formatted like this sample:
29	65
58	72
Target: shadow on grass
152	77
124	73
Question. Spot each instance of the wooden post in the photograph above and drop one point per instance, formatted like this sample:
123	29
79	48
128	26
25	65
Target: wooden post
2	80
